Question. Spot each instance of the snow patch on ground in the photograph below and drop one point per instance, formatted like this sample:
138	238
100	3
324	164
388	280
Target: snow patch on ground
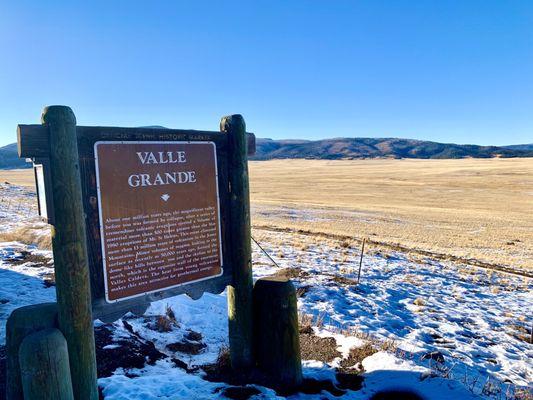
21	283
469	316
18	206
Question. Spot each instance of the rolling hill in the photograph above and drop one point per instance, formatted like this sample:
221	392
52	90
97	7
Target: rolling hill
353	148
344	148
528	146
9	158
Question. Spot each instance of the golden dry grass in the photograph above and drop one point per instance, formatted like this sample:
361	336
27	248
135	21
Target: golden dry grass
29	234
22	177
479	209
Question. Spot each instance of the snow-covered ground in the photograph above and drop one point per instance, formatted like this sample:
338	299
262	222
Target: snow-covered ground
453	331
469	314
18	207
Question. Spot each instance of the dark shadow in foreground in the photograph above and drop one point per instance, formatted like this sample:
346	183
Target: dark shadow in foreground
398	394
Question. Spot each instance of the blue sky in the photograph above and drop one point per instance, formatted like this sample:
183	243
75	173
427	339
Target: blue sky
450	71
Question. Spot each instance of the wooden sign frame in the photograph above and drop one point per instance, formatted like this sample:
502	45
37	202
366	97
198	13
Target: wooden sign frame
34	142
70	191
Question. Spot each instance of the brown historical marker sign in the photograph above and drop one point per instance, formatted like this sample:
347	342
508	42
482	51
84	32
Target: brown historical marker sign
186	180
159	215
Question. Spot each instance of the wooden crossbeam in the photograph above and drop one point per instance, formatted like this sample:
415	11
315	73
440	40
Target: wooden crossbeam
34	140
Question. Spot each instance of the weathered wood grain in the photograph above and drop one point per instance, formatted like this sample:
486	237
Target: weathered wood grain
240	291
276	334
70	251
21	323
44	366
34	140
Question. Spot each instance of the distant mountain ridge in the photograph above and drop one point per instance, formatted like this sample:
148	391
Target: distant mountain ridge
356	148
9	158
528	146
344	148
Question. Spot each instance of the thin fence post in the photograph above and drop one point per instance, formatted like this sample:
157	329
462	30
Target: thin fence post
240	292
70	251
361	261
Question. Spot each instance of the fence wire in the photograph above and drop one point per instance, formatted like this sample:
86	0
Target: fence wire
265	252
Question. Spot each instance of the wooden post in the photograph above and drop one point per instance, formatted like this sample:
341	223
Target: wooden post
276	334
70	251
21	323
44	366
240	293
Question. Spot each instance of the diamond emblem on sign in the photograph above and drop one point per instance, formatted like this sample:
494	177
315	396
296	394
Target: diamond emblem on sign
165	197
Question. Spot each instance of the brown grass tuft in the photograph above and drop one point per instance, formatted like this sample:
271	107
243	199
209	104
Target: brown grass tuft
163	324
169	312
223	361
419	302
31	234
358	354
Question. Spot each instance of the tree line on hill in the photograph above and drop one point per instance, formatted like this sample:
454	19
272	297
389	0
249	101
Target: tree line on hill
358	148
9	158
344	148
